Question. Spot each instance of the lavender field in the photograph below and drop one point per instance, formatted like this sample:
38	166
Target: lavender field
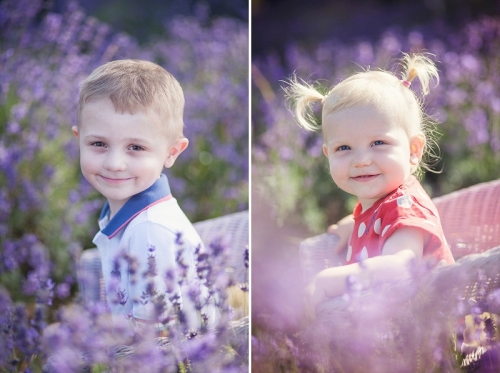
48	212
466	104
293	196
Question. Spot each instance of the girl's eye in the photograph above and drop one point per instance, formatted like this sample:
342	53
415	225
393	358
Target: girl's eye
343	147
378	142
98	144
136	148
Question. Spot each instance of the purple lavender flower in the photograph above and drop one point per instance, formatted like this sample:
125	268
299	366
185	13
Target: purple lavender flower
26	337
476	122
246	257
45	292
151	272
116	274
178	239
6	339
170	280
121	297
47	208
63	290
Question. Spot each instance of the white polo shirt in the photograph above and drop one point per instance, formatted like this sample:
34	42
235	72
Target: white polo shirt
141	248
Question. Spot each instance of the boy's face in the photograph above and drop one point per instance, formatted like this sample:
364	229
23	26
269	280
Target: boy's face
122	154
369	154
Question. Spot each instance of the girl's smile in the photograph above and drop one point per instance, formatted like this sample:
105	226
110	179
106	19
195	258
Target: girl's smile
364	178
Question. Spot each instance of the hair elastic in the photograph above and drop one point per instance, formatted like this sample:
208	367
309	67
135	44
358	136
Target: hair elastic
406	83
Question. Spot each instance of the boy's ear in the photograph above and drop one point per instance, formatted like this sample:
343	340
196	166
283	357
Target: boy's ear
325	150
179	146
417	145
75	130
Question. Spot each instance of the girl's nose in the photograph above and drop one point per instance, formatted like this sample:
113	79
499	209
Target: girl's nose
362	159
114	161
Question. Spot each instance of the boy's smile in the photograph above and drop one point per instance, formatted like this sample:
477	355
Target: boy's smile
122	154
369	154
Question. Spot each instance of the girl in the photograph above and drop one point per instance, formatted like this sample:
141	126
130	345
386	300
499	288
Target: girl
375	134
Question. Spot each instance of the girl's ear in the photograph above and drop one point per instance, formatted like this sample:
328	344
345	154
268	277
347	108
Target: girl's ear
417	145
179	146
75	130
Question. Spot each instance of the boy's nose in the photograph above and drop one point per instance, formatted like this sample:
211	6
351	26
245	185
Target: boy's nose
114	161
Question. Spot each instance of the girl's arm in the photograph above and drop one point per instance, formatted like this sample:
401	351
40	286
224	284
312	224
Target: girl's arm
403	246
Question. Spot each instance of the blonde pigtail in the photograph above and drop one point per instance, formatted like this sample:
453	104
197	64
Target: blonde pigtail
301	95
421	66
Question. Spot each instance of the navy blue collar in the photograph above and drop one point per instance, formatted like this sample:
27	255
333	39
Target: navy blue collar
157	192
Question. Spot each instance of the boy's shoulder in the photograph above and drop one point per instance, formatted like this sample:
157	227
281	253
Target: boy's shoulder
164	215
151	213
160	224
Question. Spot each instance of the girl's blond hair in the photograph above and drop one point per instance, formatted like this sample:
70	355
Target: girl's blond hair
380	88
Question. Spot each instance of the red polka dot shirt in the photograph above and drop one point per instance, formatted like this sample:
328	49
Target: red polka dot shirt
407	206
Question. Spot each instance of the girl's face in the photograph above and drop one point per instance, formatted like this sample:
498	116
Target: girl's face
370	155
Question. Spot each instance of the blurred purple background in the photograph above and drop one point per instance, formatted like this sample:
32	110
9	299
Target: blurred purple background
293	196
277	22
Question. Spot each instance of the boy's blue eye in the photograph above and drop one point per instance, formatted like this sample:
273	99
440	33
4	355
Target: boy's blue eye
379	142
136	148
98	144
343	147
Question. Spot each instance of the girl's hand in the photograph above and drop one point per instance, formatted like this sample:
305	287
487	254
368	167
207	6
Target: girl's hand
313	295
309	308
343	229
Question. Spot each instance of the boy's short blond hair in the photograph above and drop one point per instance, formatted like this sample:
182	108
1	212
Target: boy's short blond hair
136	85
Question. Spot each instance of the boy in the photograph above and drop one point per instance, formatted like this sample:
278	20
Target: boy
130	127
